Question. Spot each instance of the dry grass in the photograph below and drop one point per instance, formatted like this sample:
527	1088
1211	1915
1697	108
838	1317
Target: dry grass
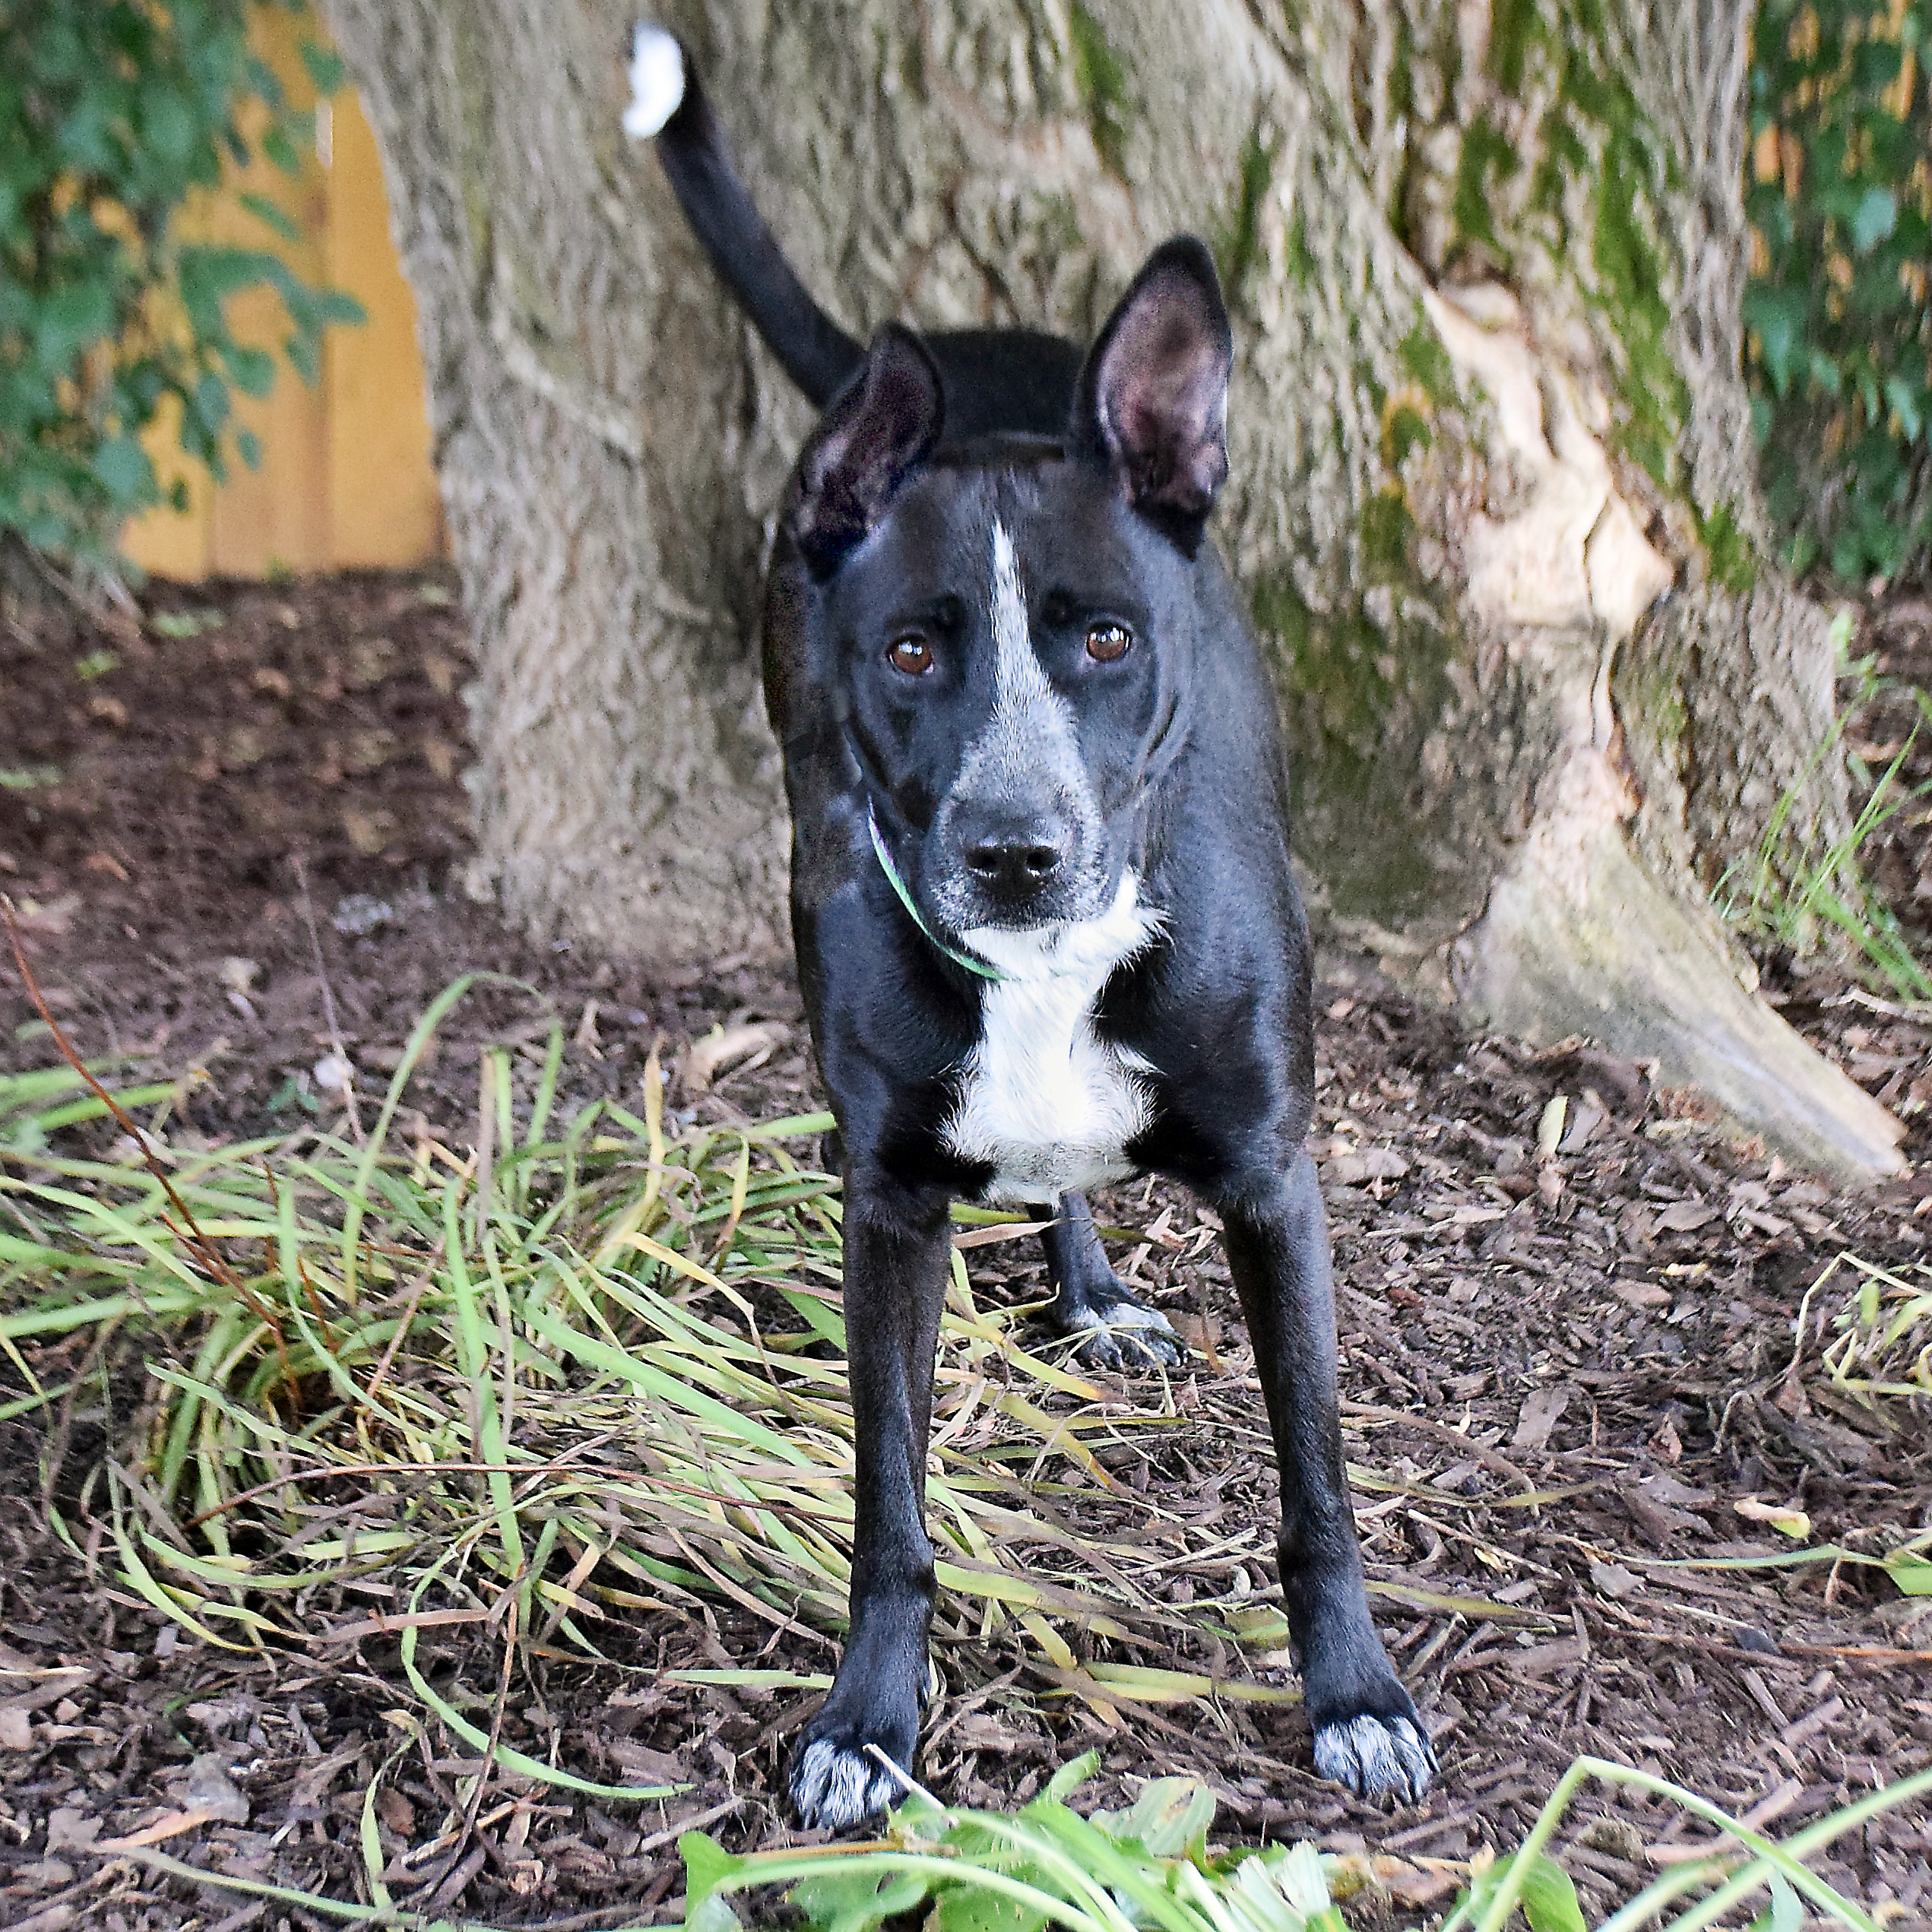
580	1371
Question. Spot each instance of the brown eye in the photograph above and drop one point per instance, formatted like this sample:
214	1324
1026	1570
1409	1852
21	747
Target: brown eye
1108	642
911	654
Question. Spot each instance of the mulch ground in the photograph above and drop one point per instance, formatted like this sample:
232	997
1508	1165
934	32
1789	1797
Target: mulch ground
236	837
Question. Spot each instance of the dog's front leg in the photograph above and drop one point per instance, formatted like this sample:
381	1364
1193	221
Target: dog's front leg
1092	1304
1367	1734
897	1254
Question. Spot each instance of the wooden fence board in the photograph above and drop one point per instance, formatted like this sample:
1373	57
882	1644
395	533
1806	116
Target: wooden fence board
345	480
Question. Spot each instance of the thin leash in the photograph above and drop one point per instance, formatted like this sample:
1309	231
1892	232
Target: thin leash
898	885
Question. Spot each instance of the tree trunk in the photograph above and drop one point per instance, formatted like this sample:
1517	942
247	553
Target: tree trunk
1492	490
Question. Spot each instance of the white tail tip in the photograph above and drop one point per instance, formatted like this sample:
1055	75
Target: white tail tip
656	81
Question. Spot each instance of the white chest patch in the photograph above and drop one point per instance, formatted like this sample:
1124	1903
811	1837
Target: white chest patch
1048	1104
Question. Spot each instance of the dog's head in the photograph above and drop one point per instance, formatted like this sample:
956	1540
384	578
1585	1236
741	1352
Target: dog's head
1011	631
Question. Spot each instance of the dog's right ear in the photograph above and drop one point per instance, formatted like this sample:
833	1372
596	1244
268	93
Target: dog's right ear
873	438
1151	404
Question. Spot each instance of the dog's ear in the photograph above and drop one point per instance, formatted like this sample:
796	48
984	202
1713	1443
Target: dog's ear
1152	399
872	439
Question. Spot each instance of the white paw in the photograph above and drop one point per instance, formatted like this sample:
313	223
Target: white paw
1376	1757
656	81
833	1787
1124	1335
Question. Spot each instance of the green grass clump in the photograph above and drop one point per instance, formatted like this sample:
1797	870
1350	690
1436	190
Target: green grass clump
1883	1347
1794	892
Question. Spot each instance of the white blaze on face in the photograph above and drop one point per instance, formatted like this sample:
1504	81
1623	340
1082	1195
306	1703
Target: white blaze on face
1048	1104
1028	749
1029	745
1021	688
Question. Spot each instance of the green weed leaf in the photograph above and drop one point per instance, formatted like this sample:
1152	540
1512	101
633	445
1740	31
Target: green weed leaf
1070	1777
856	1899
1549	1900
706	1866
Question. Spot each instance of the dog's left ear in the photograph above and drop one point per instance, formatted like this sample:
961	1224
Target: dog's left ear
873	437
1152	399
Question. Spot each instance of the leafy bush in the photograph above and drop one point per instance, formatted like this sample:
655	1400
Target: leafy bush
111	112
1840	202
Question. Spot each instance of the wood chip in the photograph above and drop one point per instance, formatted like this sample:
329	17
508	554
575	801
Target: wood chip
1641	1295
170	1824
1687	1216
1614	1581
1540	1660
1808	1726
1541	1414
727	1046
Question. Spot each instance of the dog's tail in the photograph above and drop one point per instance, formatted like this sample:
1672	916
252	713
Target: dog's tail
668	103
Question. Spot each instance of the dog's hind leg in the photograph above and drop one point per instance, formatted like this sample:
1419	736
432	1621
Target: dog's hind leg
1367	1734
897	1253
1091	1303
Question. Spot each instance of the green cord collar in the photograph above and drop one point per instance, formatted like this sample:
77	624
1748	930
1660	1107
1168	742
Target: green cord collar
898	885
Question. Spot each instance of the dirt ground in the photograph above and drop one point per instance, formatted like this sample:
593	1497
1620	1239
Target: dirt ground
235	834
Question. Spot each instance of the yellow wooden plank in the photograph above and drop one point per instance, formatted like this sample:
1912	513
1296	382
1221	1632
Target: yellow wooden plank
385	508
275	517
167	542
346	481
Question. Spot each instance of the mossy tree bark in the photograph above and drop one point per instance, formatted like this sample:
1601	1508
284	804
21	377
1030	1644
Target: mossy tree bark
1491	490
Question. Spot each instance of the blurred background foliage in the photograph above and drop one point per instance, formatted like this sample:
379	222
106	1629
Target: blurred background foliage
1840	328
112	114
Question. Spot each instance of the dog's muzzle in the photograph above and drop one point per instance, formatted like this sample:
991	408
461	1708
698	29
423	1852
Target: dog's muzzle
1012	857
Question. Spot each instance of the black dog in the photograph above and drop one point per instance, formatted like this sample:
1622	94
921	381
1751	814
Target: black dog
1046	929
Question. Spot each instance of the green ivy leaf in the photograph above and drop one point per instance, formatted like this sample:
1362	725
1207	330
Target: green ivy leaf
336	305
1900	399
71	319
1840	484
1777	316
124	472
325	66
252	371
209	404
303	357
280	149
169	125
1874	217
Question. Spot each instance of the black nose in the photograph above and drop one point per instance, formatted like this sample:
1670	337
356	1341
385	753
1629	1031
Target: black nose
1014	854
1015	868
